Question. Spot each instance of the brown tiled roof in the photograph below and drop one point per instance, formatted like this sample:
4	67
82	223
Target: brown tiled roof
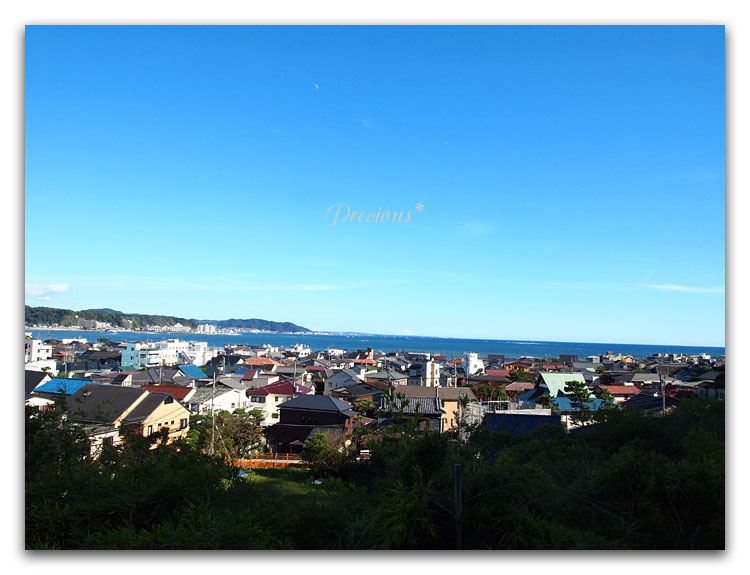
444	393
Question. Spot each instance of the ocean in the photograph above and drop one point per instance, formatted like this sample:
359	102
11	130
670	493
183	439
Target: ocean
450	347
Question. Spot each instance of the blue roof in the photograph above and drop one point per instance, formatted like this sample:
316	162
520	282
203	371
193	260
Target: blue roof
192	371
517	423
241	371
526	395
563	404
62	385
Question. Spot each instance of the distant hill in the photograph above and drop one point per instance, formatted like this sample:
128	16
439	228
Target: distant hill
69	317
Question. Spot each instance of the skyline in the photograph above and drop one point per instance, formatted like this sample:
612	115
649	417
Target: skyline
212	158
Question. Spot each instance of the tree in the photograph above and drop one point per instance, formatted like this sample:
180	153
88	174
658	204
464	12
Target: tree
394	405
237	434
608	399
545	401
519	375
364	406
323	455
580	400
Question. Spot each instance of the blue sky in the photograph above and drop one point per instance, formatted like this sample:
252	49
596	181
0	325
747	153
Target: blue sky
571	178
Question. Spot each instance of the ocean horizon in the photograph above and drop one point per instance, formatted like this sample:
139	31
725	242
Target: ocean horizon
450	347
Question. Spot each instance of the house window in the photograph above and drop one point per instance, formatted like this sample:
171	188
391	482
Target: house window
274	416
183	423
149	430
107	441
169	399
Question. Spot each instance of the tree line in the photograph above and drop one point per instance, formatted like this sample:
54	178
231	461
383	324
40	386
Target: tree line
626	482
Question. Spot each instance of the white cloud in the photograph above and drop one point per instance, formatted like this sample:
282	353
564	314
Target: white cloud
42	293
686	289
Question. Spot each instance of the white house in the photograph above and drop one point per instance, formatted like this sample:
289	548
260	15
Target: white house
222	398
139	354
472	363
35	350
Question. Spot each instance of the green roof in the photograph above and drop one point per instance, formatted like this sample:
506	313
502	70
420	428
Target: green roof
555	382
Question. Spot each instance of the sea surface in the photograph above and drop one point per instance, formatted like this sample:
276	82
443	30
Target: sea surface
450	347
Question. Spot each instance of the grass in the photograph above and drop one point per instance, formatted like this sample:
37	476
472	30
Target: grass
283	483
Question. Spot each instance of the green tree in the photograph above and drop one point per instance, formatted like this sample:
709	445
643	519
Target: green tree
607	398
324	456
394	405
236	435
545	401
519	375
580	400
364	406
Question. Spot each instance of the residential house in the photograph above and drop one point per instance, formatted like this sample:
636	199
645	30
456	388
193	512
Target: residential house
342	378
35	350
300	417
269	397
554	383
620	392
263	363
220	398
711	385
110	411
34	379
366	391
427	410
518	365
179	392
448	400
390	376
59	387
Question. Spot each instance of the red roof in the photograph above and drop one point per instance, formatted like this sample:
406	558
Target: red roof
281	388
249	374
621	389
367	361
519	386
315	368
439	358
262	361
498	372
381	385
176	391
553	366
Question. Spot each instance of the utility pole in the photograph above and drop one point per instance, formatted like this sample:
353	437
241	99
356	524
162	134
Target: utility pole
663	393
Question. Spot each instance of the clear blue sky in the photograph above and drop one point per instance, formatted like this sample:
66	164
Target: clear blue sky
571	178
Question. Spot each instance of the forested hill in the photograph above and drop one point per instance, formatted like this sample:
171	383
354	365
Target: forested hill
69	317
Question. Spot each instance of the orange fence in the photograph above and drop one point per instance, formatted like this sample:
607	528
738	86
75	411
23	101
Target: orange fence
272	460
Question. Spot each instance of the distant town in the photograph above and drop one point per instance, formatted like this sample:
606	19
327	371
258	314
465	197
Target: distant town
298	390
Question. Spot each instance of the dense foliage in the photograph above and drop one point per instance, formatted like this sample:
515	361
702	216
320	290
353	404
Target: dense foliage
627	482
68	317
